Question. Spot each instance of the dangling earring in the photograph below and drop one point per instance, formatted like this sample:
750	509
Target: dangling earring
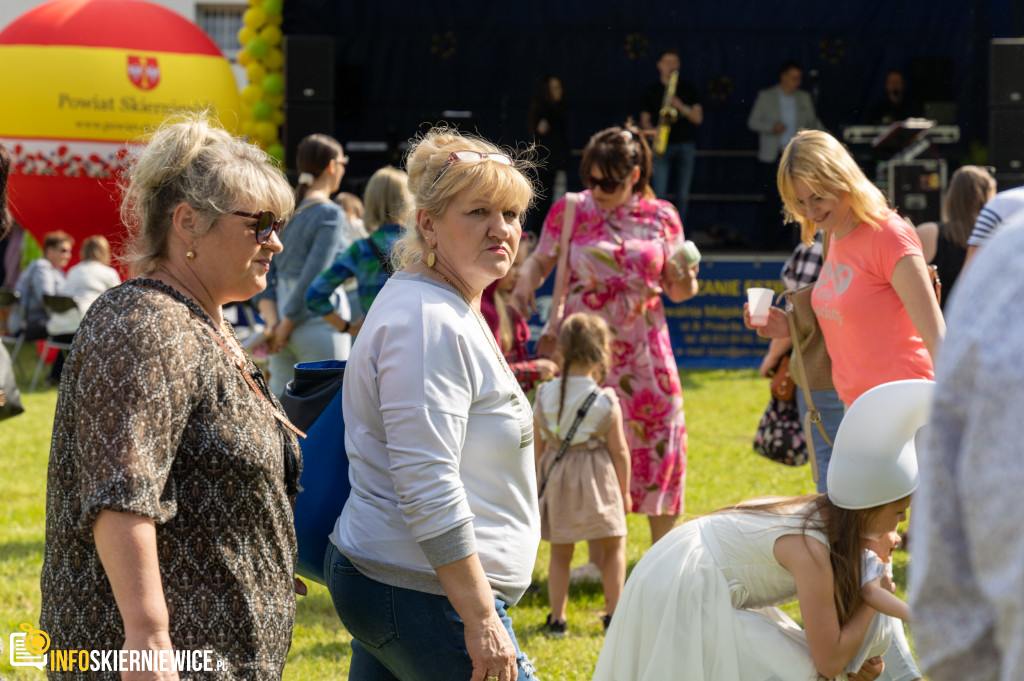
430	260
191	255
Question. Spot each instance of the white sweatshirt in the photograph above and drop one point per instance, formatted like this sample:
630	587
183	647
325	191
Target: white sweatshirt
440	444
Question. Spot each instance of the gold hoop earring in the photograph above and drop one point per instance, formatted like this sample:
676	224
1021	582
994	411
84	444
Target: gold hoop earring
430	260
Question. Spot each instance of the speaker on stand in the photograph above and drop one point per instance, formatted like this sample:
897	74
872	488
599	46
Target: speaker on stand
1006	105
309	91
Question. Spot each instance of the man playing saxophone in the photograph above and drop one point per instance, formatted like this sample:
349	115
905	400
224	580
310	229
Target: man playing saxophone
671	111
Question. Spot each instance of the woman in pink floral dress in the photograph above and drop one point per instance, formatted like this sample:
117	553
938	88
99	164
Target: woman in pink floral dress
622	237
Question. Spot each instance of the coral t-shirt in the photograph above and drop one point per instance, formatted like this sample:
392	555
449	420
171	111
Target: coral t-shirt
868	332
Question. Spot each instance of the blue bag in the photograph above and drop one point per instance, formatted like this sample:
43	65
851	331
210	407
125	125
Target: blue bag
312	402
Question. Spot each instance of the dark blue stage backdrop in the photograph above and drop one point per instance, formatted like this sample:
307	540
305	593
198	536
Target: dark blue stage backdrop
400	63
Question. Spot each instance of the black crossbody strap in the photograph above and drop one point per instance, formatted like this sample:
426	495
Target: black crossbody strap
580	413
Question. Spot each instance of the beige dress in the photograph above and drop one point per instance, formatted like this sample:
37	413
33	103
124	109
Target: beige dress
581	500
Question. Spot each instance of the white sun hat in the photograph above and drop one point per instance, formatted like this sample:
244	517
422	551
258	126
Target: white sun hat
874	458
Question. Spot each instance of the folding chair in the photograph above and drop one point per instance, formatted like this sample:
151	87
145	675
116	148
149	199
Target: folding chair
8	301
52	305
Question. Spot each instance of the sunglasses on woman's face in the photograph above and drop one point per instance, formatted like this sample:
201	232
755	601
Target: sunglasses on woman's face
607	185
266	224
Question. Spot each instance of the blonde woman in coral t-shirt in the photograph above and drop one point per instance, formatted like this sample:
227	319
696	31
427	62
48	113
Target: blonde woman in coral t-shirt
873	299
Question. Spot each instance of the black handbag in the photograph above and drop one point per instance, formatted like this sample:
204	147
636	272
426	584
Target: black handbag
10	396
780	435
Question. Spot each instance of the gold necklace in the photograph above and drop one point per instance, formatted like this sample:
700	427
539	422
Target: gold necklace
479	321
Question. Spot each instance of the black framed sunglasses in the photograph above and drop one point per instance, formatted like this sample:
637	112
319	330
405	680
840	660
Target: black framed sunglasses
266	224
607	185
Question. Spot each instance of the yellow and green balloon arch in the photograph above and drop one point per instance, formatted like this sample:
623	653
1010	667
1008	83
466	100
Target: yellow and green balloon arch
263	59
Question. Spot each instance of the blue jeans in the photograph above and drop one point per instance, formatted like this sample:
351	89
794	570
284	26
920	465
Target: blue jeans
677	161
400	634
831	410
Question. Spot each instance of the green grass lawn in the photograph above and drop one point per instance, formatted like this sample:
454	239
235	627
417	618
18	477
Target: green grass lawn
722	411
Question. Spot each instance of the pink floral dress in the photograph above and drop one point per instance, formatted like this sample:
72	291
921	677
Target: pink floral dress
616	260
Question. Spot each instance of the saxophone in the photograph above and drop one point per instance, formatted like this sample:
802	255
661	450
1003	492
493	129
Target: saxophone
667	115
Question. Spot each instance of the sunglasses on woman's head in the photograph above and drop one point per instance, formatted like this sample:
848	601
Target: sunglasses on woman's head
266	224
607	185
468	156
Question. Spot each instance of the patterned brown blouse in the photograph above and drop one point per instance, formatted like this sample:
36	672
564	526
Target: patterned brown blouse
154	419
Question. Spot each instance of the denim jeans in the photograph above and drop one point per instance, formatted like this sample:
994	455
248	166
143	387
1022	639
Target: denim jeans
400	634
677	162
831	410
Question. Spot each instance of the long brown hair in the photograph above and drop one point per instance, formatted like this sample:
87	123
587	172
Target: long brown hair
844	528
969	189
582	340
615	151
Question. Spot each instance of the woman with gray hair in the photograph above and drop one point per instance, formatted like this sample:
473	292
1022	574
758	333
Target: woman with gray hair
439	535
169	499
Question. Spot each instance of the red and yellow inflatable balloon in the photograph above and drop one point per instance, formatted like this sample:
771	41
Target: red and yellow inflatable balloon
82	80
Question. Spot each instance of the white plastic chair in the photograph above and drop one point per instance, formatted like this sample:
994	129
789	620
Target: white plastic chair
52	305
8	301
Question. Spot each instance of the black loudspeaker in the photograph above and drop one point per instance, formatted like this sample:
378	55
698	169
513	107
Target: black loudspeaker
1006	138
1006	72
916	188
1006	105
301	119
309	90
309	68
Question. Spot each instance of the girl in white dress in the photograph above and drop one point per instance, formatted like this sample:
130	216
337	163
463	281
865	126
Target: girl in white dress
583	491
699	606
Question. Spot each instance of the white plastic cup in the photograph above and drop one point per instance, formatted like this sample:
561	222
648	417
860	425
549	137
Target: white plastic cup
760	300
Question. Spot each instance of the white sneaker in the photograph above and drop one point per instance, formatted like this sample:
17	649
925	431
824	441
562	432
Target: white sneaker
587	572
